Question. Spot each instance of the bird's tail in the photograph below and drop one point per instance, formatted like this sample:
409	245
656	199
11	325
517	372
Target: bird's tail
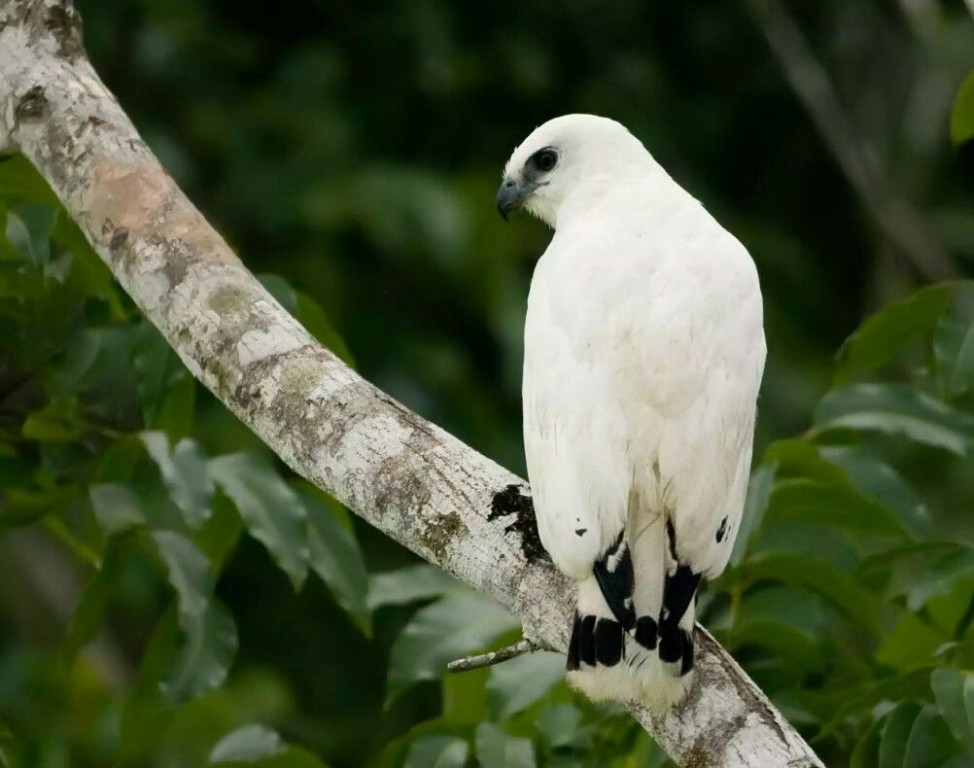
632	637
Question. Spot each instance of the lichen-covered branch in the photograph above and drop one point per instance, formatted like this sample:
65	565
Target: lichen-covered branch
409	478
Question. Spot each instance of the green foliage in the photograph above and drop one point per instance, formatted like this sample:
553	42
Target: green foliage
447	629
259	747
334	554
962	116
96	421
270	508
852	606
152	547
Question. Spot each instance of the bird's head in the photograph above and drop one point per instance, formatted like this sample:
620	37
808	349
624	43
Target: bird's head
565	156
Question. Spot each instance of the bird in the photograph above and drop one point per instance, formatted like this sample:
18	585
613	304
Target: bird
644	351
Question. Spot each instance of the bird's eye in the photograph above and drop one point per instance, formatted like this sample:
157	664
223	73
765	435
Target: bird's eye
545	159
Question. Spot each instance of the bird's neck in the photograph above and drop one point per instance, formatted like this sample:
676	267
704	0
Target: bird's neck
605	192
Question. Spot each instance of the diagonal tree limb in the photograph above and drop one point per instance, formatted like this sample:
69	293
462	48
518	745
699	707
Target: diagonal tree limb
409	478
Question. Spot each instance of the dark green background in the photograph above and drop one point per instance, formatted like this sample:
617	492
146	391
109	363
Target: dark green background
354	149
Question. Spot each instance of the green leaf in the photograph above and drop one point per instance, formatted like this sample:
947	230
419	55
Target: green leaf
799	459
786	621
517	684
808	539
159	373
247	744
176	411
20	180
962	115
271	509
57	422
71	374
758	494
314	318
453	626
122	506
29	228
204	659
21	508
335	556
219	535
843	507
953	346
145	711
949	687
89	614
81	548
896	733
464	697
495	749
437	752
210	636
189	571
561	726
930	744
87	274
257	746
841	589
281	290
877	480
15	473
940	577
888	332
117	507
291	757
959	760
99	373
896	409
911	644
969	703
864	753
184	471
412	584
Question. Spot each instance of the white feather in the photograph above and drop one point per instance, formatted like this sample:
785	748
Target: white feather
644	350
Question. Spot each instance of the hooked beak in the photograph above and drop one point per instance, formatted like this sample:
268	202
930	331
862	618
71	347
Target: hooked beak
511	195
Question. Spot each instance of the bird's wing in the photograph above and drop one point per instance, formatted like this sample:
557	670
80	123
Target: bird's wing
688	379
573	433
643	356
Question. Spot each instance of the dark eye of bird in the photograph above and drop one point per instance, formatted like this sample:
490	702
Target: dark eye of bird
545	159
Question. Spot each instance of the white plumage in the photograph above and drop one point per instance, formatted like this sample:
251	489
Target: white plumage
644	350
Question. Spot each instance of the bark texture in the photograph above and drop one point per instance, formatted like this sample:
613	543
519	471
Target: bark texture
417	483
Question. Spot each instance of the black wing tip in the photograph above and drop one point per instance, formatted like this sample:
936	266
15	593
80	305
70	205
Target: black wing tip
617	583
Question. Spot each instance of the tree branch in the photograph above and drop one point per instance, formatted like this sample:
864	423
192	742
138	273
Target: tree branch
490	658
895	217
409	478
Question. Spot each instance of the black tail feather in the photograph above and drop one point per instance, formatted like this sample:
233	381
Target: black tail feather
613	571
602	641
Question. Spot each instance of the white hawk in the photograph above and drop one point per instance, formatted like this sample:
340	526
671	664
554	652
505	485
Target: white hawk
643	353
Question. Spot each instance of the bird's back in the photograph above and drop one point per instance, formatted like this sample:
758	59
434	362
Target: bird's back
644	349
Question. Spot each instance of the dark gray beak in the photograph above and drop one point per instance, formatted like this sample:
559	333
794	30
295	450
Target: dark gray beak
509	197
